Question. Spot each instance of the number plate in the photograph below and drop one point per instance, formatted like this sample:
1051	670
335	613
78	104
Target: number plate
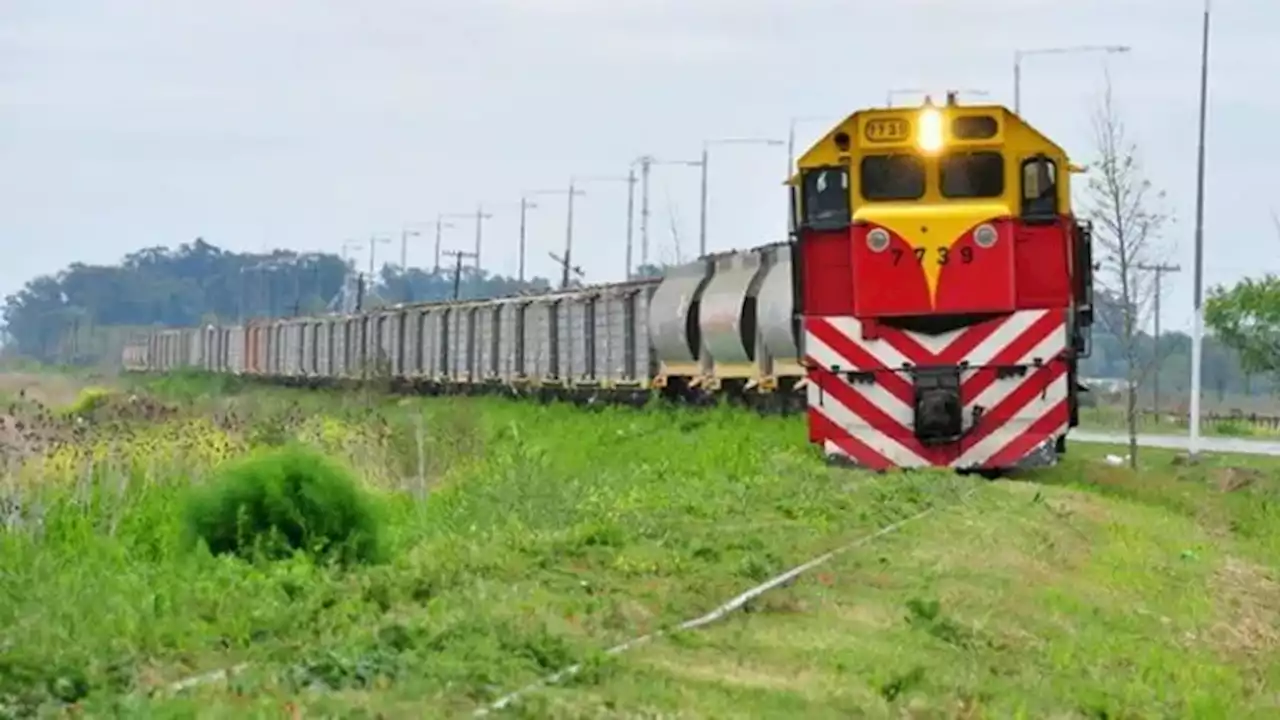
886	130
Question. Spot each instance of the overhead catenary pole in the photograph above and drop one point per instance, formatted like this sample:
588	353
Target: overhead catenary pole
1159	270
1197	320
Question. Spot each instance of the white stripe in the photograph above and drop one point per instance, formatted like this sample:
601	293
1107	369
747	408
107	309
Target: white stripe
847	420
1015	426
1001	388
1012	329
876	393
881	350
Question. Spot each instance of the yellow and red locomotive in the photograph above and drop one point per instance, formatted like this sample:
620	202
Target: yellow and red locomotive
944	288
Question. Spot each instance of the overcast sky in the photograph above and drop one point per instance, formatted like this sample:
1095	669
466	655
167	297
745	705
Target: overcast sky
301	124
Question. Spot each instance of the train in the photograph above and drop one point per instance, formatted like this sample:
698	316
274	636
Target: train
928	309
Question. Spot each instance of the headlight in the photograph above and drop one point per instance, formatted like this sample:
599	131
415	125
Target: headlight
929	134
878	240
985	236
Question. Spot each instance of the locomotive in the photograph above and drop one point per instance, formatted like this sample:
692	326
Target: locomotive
928	310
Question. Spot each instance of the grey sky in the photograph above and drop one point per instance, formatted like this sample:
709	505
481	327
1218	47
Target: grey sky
301	123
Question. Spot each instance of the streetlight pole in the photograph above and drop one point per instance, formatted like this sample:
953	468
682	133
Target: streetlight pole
1197	323
1018	55
405	234
706	146
373	242
481	216
525	205
791	139
630	179
646	163
530	204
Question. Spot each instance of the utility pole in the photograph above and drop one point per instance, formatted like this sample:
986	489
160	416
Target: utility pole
631	204
525	205
646	162
568	236
481	216
1159	269
440	223
563	263
457	270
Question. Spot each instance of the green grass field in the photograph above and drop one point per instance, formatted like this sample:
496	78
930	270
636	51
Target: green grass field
519	539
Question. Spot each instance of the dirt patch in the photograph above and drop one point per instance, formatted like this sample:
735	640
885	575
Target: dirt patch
48	390
1248	599
1231	479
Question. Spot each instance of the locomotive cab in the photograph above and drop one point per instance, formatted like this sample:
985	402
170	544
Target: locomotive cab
940	267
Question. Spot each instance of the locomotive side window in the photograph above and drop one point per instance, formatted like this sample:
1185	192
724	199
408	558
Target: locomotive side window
826	198
972	175
1039	188
892	177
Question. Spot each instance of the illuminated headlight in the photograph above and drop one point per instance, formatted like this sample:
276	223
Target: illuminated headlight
878	240
985	236
929	134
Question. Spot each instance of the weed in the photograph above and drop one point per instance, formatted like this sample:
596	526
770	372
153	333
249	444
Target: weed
285	500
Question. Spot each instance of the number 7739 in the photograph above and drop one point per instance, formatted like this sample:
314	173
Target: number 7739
942	255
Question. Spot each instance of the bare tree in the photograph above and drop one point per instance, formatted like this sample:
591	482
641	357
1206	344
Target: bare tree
1127	220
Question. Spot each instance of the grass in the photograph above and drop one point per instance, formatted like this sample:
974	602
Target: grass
519	539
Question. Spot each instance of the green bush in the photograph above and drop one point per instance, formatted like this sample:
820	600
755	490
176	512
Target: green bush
283	500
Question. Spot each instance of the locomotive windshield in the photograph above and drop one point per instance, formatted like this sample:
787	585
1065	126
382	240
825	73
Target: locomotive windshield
826	198
972	175
892	177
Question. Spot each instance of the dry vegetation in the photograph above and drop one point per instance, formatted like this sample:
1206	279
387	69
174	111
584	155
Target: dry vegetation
514	540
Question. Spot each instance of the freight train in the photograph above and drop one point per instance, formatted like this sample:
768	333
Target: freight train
928	310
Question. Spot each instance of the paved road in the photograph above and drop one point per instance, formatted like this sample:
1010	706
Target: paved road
1179	442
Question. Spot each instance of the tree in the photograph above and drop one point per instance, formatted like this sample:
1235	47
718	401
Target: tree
1127	223
1246	318
81	313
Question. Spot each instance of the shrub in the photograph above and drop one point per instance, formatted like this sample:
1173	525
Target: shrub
89	400
284	500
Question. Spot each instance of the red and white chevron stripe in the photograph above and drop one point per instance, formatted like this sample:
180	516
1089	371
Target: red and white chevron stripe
870	421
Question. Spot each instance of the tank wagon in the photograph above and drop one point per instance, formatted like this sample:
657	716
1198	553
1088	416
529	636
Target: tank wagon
929	309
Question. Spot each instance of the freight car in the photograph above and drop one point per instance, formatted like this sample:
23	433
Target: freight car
720	324
929	309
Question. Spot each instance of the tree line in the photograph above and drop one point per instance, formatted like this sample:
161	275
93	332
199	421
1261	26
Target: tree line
82	314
